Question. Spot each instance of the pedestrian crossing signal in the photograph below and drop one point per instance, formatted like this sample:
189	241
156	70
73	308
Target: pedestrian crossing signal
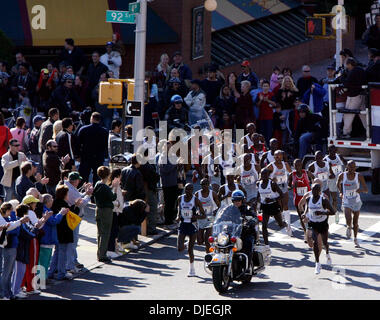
315	26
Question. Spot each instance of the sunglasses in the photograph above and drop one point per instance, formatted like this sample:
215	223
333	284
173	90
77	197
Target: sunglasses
306	71
15	145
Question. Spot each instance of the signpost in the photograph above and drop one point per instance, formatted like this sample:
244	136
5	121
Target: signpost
134	7
114	16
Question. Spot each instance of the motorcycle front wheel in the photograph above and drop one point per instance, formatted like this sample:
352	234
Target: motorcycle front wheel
220	278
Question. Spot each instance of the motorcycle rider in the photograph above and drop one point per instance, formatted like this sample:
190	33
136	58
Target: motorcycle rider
177	114
248	234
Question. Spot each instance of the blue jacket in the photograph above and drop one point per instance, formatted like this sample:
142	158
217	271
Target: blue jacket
50	229
27	233
318	94
12	236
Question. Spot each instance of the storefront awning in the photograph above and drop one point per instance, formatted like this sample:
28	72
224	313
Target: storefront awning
49	22
233	12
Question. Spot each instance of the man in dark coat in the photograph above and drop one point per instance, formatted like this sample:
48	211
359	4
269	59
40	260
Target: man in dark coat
73	56
95	69
65	141
93	147
132	181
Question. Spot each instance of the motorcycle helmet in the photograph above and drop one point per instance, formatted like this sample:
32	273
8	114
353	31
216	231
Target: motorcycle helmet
237	195
176	98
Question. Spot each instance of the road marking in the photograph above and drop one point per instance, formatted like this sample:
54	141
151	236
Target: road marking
369	232
335	227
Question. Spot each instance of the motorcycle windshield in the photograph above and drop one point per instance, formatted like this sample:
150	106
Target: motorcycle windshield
228	220
204	122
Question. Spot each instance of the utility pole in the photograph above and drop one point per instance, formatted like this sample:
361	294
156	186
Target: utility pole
340	22
140	53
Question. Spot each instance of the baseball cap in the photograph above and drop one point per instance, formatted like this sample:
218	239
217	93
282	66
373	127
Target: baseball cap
74	176
34	163
174	80
30	199
331	67
109	43
304	108
177	53
245	63
46	71
38	118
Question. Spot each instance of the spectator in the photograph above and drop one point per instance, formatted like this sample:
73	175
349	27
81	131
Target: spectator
244	106
23	81
112	59
211	86
308	130
105	112
248	75
92	151
19	132
65	236
80	200
279	125
20	59
266	104
196	101
32	140
95	69
50	238
118	43
104	198
274	78
44	90
184	71
47	129
81	89
313	97
306	81
163	71
226	122
254	94
52	165
57	128
74	56
371	37
66	145
286	71
11	162
280	78
373	71
177	115
330	76
174	86
5	138
133	214
132	182
65	98
114	138
24	183
6	94
356	78
168	174
225	102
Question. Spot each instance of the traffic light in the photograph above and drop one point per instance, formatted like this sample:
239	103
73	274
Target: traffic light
315	26
110	93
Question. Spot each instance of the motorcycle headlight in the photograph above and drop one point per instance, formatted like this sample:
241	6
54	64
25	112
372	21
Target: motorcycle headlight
222	239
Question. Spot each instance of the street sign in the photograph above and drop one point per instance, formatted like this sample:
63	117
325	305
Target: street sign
133	109
134	7
115	16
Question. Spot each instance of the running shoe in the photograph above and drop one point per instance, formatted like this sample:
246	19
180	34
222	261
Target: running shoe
356	242
34	292
328	260
21	295
317	268
337	217
289	230
348	233
191	272
112	254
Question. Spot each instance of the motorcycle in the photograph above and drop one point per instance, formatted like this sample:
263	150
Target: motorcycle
225	260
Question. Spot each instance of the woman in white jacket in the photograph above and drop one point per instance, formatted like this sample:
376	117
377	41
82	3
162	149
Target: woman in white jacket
196	101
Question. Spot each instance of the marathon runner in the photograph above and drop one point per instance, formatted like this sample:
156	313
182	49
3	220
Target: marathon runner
336	166
279	171
257	148
350	184
225	191
187	216
210	204
320	169
248	178
211	170
268	157
316	216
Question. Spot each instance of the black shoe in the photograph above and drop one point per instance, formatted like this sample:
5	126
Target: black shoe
105	260
153	233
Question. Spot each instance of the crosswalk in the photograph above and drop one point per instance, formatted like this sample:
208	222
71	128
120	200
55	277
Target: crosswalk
369	230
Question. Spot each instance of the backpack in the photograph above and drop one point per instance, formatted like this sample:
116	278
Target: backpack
32	143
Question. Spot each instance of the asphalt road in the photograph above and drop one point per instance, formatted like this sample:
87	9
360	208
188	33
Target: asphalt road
159	272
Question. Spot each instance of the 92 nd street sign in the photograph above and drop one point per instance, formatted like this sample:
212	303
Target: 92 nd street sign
114	16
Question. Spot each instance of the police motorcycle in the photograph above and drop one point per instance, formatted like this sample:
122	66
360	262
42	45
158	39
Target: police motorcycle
226	261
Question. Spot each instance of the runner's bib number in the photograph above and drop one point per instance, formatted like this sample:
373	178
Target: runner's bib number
351	194
248	180
323	176
281	179
301	191
187	214
336	169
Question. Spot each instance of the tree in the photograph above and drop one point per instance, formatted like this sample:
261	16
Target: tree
6	48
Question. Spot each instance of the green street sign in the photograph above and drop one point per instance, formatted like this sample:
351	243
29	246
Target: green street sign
115	16
134	7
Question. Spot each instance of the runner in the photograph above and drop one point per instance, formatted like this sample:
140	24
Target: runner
269	196
187	216
320	169
257	148
279	171
336	166
246	140
210	204
299	181
268	156
211	170
350	184
316	217
248	178
225	191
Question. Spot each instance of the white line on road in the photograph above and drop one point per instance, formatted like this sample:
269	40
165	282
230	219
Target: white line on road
367	233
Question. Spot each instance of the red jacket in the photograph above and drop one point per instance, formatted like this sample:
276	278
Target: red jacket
4	131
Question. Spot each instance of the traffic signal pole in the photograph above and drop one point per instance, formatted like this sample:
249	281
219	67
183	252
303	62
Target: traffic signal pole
140	52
